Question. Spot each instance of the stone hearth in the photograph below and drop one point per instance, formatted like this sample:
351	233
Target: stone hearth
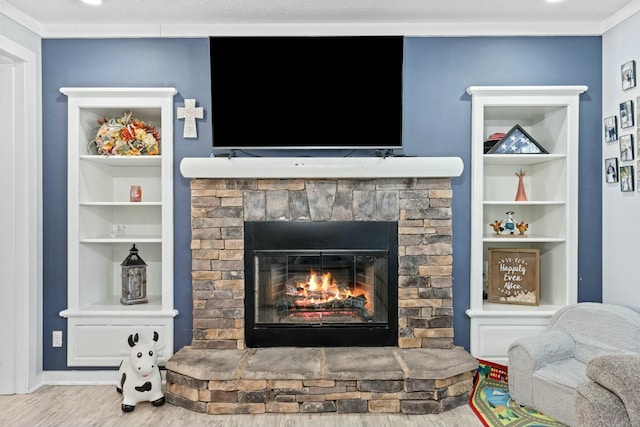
311	380
425	373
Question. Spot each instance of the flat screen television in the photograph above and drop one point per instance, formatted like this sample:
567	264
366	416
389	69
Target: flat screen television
321	92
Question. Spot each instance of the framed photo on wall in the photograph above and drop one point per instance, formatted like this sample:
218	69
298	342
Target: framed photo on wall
611	170
611	129
514	276
626	114
628	71
626	178
626	148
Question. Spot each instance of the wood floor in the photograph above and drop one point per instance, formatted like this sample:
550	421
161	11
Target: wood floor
86	406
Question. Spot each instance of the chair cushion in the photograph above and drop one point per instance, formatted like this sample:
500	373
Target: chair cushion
619	373
568	372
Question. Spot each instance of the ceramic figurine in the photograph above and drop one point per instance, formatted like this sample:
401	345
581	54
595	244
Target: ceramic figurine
497	226
522	227
510	223
140	379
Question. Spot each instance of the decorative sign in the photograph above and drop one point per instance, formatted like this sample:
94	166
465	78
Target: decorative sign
514	276
190	113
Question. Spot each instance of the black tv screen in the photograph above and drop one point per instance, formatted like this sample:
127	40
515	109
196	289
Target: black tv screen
307	92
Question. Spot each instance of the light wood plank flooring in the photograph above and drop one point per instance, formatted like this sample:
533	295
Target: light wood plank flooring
87	406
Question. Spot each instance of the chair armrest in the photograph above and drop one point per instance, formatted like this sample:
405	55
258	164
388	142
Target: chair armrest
619	373
529	354
538	350
598	407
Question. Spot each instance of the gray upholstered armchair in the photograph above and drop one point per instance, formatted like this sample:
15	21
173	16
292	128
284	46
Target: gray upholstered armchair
546	370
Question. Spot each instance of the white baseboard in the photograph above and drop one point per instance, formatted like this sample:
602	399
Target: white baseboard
102	377
106	377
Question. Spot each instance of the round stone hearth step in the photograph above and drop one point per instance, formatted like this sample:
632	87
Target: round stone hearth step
344	379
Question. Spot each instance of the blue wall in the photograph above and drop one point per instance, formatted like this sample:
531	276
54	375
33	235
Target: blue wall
437	123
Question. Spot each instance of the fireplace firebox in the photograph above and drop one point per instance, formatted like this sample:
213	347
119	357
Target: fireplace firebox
321	284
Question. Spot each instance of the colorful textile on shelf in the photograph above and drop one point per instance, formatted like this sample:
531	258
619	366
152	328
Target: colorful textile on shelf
492	404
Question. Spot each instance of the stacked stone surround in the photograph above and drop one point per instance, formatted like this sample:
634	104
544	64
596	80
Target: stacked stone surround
422	207
424	374
313	380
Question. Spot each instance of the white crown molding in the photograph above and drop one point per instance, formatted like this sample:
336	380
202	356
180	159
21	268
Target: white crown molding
426	29
456	29
20	17
620	16
101	31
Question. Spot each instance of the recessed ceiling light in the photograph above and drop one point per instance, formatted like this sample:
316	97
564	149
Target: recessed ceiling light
554	1
93	2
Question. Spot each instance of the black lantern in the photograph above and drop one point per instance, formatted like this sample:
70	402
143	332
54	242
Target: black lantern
134	279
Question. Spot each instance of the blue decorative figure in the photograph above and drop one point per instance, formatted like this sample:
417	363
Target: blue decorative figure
510	223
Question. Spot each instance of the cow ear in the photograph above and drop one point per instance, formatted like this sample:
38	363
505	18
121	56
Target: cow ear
155	336
135	337
131	341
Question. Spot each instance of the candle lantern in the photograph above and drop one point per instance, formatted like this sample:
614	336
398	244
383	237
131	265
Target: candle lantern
134	279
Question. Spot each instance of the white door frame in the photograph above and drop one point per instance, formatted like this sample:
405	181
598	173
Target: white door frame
21	244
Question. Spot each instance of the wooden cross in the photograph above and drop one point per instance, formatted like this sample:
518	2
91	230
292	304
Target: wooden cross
190	113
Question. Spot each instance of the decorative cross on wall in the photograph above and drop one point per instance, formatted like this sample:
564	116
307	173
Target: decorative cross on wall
190	113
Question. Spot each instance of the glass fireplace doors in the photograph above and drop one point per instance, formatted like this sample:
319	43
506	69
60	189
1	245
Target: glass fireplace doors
320	284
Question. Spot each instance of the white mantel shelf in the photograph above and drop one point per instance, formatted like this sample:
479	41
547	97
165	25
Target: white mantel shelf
321	167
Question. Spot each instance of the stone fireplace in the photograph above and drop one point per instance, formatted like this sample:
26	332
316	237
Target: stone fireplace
265	232
420	206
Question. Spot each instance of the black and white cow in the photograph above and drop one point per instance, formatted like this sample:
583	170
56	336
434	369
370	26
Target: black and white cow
140	379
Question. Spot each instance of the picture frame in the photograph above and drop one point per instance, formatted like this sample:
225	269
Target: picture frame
626	114
637	147
611	129
514	276
626	148
517	141
628	74
626	179
611	170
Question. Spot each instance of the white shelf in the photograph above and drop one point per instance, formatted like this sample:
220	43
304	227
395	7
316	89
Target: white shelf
124	204
521	159
123	160
98	205
530	238
122	239
550	115
527	203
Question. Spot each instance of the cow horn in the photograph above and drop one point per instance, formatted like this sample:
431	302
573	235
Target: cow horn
155	336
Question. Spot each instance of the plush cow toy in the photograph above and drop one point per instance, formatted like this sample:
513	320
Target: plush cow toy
140	379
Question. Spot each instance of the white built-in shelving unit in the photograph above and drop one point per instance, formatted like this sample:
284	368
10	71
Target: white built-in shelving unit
550	115
98	200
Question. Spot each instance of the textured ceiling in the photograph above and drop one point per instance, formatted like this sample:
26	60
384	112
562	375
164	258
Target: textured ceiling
143	12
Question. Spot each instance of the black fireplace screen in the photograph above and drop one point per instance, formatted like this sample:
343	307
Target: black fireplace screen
321	284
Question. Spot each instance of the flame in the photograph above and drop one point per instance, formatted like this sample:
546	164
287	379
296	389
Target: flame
323	288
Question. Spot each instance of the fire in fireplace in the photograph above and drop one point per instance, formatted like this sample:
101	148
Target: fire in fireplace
321	299
321	284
